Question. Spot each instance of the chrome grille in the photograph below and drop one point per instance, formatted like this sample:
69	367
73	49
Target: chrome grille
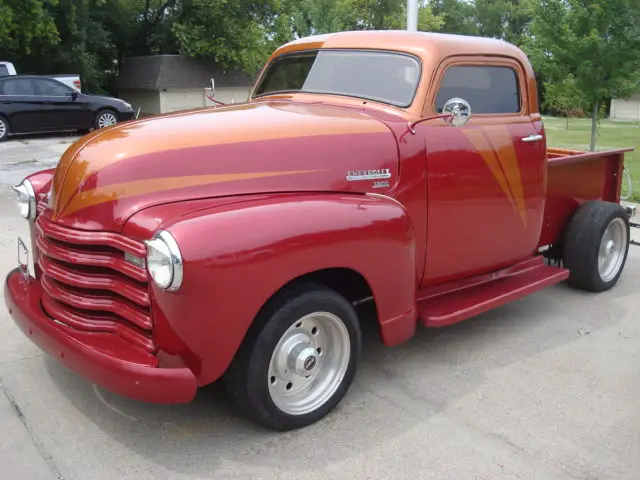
88	285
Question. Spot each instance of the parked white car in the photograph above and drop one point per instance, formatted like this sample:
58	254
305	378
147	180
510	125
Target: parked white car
6	69
72	80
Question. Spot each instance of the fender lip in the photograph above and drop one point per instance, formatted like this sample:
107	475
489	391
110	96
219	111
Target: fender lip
103	359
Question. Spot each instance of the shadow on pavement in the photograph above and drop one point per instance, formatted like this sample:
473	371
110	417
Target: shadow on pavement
396	389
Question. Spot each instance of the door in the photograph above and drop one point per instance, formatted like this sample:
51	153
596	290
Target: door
20	104
486	180
61	105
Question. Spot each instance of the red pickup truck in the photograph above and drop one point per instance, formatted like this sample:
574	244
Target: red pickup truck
401	174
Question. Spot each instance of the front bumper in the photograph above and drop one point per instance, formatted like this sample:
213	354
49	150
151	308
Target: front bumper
124	116
101	358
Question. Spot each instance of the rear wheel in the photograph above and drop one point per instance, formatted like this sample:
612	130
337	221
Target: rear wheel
298	363
596	245
4	129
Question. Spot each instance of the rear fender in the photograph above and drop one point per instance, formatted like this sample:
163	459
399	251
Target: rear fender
237	256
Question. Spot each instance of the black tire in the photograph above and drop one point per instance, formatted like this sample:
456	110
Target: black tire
584	239
5	130
247	379
104	113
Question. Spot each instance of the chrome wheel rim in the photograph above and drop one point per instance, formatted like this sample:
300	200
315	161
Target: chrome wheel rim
612	249
309	363
106	120
3	128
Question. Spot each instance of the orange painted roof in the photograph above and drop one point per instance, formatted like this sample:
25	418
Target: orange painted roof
422	44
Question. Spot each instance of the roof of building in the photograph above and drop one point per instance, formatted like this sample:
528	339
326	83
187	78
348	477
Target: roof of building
157	72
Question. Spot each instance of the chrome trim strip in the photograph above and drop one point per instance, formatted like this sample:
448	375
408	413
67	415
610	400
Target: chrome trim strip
532	138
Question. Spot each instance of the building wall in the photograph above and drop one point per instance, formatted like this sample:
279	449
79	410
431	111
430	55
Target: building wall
156	102
230	95
626	109
175	100
148	101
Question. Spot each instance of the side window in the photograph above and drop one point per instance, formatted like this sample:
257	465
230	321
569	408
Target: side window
18	86
489	90
51	88
4	71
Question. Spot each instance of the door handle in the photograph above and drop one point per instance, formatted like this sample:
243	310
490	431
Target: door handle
532	138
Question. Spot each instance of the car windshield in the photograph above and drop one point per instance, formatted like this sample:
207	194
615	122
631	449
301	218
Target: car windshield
386	77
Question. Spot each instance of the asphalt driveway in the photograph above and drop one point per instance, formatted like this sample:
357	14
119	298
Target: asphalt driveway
544	388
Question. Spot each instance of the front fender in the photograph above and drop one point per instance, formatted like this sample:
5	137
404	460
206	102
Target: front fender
237	256
41	181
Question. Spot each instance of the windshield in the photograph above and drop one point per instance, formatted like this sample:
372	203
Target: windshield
381	76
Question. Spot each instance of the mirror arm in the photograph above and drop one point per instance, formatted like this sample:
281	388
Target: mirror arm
412	126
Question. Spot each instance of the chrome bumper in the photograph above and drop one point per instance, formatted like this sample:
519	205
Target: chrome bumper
631	210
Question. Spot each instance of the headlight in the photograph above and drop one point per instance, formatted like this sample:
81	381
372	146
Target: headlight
26	200
164	261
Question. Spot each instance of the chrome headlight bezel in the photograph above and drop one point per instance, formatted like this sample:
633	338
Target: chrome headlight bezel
163	247
26	200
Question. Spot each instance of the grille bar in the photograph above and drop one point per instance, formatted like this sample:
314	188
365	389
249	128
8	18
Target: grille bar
95	323
93	259
86	301
94	281
67	235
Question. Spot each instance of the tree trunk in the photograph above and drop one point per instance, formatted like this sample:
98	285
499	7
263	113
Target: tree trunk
594	125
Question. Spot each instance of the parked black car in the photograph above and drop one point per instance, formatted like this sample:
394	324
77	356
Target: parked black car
30	104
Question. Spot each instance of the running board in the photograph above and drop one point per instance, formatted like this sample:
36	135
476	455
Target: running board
442	305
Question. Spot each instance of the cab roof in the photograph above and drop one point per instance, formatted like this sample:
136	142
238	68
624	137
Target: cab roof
423	44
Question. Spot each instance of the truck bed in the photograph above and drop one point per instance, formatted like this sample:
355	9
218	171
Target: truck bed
574	177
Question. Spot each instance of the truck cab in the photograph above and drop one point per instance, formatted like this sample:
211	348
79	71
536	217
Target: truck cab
397	176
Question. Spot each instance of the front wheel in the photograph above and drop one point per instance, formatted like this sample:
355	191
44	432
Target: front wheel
596	245
300	360
105	118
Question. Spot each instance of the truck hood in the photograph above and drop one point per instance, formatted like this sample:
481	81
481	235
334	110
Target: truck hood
254	148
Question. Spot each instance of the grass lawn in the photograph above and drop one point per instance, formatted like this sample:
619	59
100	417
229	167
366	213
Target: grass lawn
610	135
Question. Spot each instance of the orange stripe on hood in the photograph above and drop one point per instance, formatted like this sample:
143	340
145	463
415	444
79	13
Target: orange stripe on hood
117	191
237	124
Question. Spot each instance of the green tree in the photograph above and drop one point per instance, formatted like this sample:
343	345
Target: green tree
508	20
596	41
563	98
456	16
24	23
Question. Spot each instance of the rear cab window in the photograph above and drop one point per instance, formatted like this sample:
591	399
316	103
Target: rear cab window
489	89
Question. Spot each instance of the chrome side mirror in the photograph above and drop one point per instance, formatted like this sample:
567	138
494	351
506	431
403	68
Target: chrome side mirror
459	109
